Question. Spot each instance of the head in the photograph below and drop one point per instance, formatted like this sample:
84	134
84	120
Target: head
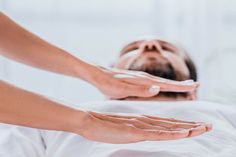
158	58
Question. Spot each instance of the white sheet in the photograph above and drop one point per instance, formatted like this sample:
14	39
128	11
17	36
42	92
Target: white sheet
23	142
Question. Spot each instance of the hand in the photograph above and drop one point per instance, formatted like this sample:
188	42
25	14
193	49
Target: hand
117	84
119	129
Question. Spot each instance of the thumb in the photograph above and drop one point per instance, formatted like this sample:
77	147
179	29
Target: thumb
143	91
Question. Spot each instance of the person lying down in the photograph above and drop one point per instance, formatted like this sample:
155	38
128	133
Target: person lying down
162	59
158	58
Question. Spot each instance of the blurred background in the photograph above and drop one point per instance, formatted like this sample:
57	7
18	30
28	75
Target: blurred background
96	30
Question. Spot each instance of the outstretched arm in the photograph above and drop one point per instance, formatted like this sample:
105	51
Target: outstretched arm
25	108
21	45
21	107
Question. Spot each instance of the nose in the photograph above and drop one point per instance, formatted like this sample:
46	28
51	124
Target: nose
150	45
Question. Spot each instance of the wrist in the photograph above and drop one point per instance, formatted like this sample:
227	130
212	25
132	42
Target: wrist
87	72
77	122
94	74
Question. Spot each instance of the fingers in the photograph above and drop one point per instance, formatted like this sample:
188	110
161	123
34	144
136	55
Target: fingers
169	119
142	131
176	86
153	117
153	135
140	91
160	124
167	124
136	123
195	128
129	129
192	95
183	86
197	131
208	126
140	84
164	84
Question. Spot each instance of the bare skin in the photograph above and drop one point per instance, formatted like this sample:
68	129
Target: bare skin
21	107
18	44
25	108
141	52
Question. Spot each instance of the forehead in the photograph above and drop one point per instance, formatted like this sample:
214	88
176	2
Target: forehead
136	44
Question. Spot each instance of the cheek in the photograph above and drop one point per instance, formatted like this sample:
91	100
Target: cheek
177	62
121	63
125	61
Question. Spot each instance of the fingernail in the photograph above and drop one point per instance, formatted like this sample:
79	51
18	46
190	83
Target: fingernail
188	81
154	89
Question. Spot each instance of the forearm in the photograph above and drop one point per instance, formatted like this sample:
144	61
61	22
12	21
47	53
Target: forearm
24	108
21	45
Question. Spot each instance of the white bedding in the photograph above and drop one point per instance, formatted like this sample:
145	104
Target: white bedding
24	142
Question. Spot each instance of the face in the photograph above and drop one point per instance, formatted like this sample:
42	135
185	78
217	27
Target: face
155	57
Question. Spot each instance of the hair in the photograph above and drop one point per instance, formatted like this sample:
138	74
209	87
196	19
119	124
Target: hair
166	70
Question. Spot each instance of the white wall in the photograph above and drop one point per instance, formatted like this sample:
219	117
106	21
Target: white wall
95	30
